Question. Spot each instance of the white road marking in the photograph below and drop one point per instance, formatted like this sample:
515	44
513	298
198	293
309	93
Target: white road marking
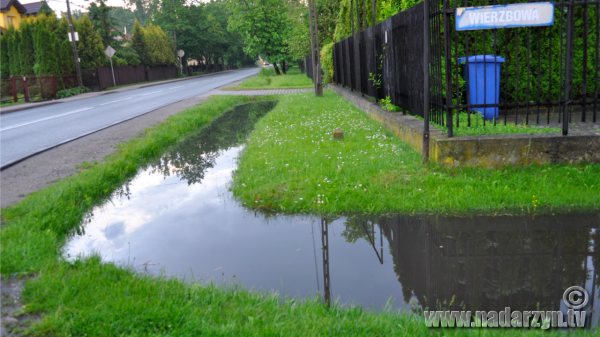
151	93
44	119
120	100
176	87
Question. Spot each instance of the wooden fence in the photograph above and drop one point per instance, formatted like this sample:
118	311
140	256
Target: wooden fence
130	74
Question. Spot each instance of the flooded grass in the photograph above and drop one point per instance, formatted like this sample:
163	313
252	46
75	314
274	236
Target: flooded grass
293	164
86	296
36	228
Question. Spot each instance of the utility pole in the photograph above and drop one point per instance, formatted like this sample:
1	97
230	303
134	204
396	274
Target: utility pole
314	45
75	54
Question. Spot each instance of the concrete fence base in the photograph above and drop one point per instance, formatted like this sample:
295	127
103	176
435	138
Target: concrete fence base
483	151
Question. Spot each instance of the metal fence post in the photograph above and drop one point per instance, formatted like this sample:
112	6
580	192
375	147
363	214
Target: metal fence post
14	89
448	63
25	91
53	86
426	98
568	67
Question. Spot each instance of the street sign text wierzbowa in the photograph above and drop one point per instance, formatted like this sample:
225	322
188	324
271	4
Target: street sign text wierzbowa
505	16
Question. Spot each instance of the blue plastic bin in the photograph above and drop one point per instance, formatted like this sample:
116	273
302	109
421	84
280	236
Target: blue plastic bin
484	82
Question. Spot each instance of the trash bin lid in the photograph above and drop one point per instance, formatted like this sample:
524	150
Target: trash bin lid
482	59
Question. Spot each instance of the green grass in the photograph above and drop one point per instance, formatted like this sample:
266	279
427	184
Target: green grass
267	79
478	129
87	297
37	227
10	103
293	164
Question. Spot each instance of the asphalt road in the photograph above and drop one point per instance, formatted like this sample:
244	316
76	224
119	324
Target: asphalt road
26	132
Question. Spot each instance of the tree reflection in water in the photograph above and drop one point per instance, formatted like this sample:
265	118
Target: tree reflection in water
489	263
192	157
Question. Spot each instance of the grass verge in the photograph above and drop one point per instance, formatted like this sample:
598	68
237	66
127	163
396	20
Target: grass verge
267	79
293	164
477	127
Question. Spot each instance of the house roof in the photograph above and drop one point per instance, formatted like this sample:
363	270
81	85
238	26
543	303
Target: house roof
33	8
6	4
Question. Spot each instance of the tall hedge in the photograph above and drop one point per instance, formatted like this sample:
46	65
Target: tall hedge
4	62
46	60
13	52
27	51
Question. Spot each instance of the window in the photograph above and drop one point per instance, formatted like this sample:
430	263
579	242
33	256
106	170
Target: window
11	21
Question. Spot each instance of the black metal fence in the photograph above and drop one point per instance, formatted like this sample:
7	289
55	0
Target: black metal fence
550	74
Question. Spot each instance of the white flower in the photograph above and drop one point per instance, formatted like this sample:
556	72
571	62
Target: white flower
301	199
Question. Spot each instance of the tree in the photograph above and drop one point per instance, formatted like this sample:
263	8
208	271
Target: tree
45	9
123	17
99	14
4	60
89	47
46	60
27	51
138	42
13	56
263	25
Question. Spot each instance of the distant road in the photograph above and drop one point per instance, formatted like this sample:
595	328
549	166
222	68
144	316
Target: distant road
26	132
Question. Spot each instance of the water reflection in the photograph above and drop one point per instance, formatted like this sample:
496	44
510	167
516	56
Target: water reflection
489	263
178	216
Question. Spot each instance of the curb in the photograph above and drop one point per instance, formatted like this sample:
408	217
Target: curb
33	105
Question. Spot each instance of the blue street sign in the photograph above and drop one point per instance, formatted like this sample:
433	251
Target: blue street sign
505	16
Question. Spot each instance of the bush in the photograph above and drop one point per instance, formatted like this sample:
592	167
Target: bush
327	62
72	92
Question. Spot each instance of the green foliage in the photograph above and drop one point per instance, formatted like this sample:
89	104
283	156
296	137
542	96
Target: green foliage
262	24
327	62
67	64
46	59
386	104
343	27
13	56
99	14
292	155
4	52
71	92
477	128
27	50
138	43
267	79
89	47
45	9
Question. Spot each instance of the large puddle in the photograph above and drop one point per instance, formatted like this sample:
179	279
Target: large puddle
178	217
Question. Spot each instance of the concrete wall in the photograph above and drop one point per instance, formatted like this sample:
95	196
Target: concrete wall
485	151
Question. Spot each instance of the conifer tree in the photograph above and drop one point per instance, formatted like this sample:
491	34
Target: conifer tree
4	61
138	42
89	47
46	60
27	51
14	60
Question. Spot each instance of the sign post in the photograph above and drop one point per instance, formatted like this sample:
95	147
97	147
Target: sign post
110	52
180	53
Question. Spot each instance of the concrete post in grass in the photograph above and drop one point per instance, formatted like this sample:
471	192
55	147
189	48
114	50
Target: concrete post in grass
338	134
